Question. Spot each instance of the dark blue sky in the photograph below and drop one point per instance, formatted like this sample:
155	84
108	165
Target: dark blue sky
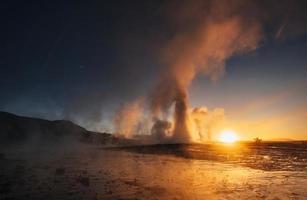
81	60
60	59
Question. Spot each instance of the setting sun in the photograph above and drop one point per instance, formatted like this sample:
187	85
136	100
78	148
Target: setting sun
228	136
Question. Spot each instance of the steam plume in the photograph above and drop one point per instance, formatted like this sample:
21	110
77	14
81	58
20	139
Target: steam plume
219	32
205	121
202	36
127	118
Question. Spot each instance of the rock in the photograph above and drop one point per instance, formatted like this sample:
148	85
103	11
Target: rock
60	171
85	181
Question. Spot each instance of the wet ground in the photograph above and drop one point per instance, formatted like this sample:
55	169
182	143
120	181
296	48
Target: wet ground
96	173
269	156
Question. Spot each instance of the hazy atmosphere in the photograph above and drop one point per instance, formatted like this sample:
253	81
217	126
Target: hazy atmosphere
87	62
153	99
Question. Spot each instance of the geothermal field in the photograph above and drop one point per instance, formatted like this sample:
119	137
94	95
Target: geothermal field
153	99
42	159
215	171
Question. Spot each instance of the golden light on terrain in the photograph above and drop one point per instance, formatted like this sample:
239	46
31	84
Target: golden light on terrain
228	136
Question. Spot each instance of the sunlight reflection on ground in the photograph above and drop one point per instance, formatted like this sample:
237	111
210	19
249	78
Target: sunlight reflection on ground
107	174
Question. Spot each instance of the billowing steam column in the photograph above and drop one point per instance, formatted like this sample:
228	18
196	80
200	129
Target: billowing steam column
202	42
181	131
202	50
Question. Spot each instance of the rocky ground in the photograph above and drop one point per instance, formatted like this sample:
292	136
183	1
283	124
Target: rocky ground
96	173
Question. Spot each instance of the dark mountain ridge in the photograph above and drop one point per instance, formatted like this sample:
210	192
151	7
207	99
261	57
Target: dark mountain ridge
16	129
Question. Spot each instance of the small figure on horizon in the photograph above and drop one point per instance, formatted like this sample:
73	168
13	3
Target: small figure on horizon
257	140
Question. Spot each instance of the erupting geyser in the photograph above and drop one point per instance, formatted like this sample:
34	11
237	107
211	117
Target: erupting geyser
203	48
181	132
203	41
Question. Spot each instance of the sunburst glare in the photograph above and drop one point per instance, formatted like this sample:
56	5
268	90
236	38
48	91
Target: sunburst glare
228	136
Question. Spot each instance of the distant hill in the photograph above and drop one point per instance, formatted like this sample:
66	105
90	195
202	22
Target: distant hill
17	130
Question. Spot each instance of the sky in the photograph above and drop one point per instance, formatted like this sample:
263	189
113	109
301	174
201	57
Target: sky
82	60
